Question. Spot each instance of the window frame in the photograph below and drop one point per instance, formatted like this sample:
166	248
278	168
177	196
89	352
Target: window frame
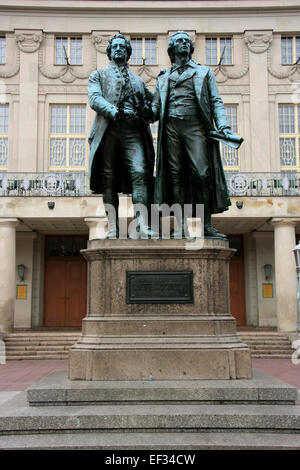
294	49
68	136
3	37
4	135
230	149
69	38
290	135
143	38
219	38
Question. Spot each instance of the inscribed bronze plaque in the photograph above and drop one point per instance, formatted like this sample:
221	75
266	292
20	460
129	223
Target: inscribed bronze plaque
21	292
268	291
159	287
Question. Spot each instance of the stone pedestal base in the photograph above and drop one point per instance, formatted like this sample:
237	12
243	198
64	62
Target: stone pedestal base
168	341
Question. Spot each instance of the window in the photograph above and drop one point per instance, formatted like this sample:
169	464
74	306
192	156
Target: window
2	50
143	51
289	135
68	48
3	136
217	49
290	50
230	156
68	137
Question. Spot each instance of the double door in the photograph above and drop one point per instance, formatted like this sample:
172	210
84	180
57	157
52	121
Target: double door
65	293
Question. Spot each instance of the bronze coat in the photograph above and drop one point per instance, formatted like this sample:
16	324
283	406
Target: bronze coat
212	111
104	90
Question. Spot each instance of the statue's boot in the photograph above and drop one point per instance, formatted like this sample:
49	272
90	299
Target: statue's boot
140	196
209	230
181	230
111	210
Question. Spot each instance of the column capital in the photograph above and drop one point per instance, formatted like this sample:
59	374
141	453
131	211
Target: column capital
98	227
9	222
92	221
285	221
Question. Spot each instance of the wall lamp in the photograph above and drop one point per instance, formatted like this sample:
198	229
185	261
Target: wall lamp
268	271
21	272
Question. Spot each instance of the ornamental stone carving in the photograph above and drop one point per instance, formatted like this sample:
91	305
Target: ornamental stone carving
223	73
258	42
100	40
28	42
66	73
146	74
282	72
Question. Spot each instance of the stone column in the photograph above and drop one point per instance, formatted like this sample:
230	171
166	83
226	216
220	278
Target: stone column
285	273
258	43
28	42
24	255
98	227
7	273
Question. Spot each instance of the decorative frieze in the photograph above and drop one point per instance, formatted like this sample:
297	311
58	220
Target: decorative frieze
290	72
44	89
258	42
29	42
100	40
10	71
147	74
66	73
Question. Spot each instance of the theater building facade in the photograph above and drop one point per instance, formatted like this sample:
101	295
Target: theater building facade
47	212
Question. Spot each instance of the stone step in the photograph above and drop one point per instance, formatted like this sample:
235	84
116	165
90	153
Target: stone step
42	335
40	340
150	417
40	347
45	344
270	356
152	441
270	346
266	340
271	351
38	357
37	345
56	389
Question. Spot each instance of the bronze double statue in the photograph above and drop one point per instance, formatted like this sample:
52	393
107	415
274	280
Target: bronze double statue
192	121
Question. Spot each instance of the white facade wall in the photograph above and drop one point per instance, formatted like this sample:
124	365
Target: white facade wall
257	83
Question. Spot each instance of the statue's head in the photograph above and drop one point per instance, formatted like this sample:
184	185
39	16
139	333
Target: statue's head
175	39
119	38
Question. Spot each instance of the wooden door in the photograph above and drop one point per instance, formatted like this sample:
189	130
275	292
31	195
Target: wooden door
65	282
237	281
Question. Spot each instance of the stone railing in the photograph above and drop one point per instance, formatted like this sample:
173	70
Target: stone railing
77	184
263	184
44	184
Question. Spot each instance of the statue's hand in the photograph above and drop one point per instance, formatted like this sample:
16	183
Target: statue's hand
227	133
147	113
128	114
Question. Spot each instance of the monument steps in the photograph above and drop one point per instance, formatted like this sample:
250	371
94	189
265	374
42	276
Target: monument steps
39	345
55	345
152	441
56	413
267	345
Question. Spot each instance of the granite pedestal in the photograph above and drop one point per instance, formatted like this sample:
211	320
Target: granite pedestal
187	339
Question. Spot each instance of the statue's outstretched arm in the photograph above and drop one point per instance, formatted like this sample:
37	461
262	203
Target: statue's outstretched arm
97	102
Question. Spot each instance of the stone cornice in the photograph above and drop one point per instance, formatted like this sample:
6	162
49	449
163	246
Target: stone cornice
79	6
285	221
